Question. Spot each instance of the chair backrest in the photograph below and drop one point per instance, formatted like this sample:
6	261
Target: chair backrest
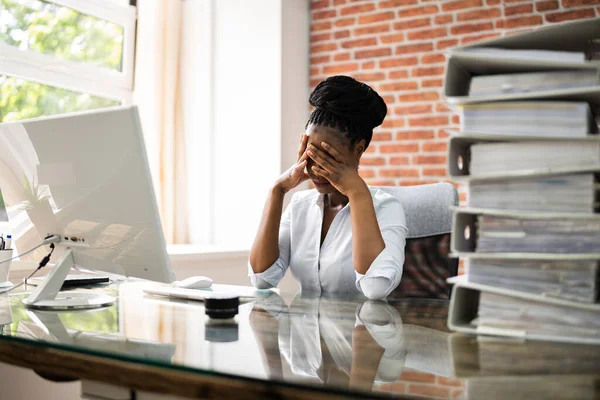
429	221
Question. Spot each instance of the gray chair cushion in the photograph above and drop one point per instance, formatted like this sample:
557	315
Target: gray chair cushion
427	207
427	263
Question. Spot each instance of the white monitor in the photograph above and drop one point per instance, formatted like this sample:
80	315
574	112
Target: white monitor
85	178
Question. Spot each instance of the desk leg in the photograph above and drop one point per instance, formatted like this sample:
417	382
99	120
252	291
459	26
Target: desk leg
91	390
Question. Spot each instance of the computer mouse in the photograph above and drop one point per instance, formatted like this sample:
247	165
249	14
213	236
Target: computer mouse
194	282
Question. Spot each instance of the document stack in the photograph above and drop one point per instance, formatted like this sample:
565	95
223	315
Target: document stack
529	150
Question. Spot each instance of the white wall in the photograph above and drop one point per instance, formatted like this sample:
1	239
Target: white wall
247	79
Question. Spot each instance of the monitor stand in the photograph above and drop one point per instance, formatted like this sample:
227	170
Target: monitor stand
48	296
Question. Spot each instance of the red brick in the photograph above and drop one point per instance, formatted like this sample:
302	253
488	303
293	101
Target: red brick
429	390
340	69
366	173
579	3
397	172
488	13
435	146
442	134
339	2
459	393
415	135
477	38
433	58
320	37
441	107
323	47
397	3
400	74
382	136
314	71
381	183
369	65
428	71
349	44
412	23
519	22
569	15
381	52
420	96
493	2
397	37
398	86
435	172
399	148
428	121
368	30
432	83
471	28
369	19
320	59
520	9
427	34
389	99
342	56
372	161
444	19
314	82
373	77
461	4
315	5
443	44
340	23
371	149
546	5
398	62
450	382
429	159
414	48
320	26
418	109
418	11
415	183
403	160
392	123
341	34
357	9
324	15
455	119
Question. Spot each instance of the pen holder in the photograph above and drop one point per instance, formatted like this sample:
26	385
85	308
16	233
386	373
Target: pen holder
5	267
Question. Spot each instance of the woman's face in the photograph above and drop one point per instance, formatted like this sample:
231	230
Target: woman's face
318	134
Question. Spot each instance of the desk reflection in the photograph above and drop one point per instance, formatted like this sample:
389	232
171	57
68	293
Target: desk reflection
308	341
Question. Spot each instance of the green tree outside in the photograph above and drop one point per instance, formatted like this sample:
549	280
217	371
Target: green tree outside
60	31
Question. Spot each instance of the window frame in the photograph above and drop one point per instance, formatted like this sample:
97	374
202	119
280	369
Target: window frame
78	76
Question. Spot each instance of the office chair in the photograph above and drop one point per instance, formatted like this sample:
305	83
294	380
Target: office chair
429	221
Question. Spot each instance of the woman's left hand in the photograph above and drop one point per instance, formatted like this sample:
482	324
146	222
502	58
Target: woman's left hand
332	166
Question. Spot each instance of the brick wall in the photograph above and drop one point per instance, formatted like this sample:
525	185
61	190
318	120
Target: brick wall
397	47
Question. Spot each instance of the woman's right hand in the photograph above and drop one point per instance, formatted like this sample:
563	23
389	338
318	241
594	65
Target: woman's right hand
295	175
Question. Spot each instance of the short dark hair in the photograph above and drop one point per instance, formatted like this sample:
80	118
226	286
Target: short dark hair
351	106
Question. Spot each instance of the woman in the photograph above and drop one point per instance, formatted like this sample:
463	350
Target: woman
343	236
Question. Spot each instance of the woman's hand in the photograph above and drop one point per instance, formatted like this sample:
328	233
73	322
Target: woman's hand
295	175
332	166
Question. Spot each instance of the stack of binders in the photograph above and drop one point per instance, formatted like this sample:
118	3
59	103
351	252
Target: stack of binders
529	150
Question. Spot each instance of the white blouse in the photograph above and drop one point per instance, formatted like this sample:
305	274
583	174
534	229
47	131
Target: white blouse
329	268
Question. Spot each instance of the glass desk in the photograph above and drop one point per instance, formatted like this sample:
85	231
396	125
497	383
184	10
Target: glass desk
288	347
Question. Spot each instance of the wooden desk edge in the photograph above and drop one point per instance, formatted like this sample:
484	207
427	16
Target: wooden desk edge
138	376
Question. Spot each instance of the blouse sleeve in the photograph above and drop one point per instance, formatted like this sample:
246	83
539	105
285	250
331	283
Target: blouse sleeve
271	276
385	272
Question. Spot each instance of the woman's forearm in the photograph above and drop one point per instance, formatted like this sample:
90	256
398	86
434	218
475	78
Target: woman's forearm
367	242
265	249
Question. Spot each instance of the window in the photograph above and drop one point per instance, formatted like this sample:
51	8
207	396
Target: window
60	56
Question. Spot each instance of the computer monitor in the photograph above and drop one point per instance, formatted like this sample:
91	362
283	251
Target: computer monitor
85	179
